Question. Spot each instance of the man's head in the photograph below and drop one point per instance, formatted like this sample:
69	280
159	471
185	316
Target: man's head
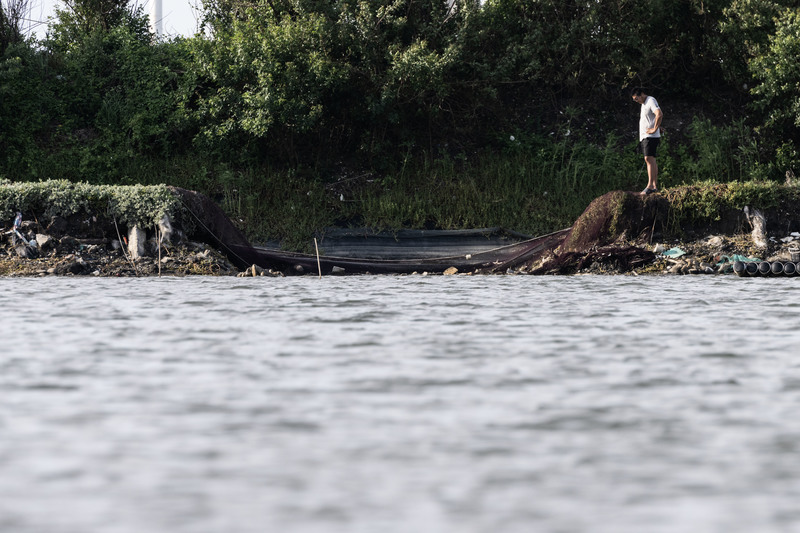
638	95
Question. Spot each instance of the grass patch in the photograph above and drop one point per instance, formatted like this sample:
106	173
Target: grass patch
132	205
708	202
534	188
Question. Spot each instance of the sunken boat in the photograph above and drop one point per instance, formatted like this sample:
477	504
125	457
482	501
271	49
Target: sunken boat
489	259
362	251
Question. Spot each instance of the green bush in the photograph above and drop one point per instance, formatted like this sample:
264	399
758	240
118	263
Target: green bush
27	101
714	153
132	205
776	95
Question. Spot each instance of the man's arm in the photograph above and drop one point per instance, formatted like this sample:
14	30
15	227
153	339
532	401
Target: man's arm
657	122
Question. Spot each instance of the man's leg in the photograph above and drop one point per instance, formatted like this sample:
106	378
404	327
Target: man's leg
652	171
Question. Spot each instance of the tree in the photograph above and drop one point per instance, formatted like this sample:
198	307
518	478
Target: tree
293	80
777	94
12	13
778	73
88	16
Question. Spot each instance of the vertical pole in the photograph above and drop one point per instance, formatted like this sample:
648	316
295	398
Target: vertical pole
158	243
155	18
319	268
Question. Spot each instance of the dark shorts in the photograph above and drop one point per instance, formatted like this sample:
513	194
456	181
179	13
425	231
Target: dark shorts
649	145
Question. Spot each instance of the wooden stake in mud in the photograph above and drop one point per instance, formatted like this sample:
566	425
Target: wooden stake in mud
122	246
653	229
158	244
319	268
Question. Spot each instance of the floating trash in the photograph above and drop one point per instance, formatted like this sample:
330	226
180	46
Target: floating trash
674	252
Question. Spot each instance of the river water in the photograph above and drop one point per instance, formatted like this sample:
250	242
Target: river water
400	404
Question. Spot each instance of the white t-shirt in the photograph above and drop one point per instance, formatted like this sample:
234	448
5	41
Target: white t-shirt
647	118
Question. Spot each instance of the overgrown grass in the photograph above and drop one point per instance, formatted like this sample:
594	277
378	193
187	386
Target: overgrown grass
132	205
533	188
707	202
718	154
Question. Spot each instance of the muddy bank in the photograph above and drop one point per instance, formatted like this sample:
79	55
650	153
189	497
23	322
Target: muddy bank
69	229
43	251
624	232
619	233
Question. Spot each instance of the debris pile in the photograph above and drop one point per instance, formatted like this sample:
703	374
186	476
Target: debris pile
68	248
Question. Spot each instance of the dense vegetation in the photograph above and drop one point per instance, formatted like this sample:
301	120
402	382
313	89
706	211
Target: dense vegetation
301	114
131	205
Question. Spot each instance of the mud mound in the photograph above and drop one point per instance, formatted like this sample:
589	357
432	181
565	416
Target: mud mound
599	240
615	216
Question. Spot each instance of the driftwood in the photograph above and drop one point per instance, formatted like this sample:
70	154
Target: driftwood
759	225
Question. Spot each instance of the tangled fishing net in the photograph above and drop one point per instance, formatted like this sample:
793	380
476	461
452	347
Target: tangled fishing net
600	239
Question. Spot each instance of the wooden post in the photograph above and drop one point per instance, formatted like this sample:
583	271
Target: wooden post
319	268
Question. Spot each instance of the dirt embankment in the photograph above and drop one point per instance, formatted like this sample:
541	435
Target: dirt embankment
623	232
619	232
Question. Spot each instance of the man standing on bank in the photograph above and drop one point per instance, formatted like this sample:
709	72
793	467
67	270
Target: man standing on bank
649	135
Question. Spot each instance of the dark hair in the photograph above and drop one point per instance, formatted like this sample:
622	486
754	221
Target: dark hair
636	91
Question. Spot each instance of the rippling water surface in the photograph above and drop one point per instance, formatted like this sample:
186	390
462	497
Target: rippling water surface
400	404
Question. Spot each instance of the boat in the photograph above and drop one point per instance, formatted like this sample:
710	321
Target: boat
492	260
403	258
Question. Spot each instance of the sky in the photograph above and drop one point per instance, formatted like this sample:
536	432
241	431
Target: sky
178	17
